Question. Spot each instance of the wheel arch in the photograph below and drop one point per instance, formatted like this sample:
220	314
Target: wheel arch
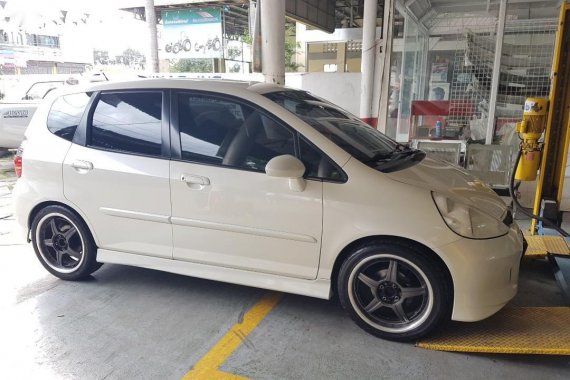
346	251
40	206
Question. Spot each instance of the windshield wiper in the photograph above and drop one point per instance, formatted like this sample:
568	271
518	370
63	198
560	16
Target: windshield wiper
401	160
399	149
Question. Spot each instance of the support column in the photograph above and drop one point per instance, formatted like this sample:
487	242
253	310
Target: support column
496	72
368	58
301	56
272	14
341	57
219	65
384	65
150	16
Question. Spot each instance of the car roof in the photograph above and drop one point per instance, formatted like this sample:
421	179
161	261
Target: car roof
218	85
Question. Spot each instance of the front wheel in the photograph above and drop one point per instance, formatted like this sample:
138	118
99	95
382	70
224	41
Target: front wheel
63	243
394	291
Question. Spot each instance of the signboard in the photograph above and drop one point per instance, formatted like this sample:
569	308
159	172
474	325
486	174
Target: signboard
192	33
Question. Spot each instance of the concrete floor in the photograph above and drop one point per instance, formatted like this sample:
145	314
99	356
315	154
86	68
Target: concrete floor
140	324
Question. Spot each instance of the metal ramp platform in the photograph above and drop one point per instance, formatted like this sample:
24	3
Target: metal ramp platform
527	330
540	246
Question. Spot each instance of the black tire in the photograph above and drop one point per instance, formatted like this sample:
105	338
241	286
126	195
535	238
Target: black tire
168	48
63	243
187	45
394	290
176	48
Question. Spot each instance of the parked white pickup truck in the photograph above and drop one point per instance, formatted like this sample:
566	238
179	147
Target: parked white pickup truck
20	103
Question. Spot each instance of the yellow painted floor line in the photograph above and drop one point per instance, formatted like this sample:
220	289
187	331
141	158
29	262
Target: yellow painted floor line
513	330
207	366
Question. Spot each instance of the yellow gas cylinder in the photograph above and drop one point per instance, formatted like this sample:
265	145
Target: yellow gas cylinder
531	128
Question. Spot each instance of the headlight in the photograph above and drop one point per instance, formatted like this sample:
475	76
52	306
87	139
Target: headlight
467	221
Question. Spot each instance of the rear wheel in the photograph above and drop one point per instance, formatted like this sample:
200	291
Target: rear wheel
63	243
394	291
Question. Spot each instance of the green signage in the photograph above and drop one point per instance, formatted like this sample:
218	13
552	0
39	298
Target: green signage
191	16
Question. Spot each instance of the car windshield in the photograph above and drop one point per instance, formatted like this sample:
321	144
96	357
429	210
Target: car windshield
357	138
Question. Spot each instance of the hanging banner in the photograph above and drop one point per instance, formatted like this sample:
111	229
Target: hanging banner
192	33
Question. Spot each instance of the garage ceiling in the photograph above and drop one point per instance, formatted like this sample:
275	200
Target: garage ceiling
426	10
321	14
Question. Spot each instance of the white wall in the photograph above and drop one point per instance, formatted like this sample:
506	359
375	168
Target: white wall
342	89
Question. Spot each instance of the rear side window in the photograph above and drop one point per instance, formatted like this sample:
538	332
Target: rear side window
65	114
128	122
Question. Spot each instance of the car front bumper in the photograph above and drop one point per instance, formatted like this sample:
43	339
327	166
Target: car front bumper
485	273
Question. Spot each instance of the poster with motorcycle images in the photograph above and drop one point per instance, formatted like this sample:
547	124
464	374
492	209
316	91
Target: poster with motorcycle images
192	33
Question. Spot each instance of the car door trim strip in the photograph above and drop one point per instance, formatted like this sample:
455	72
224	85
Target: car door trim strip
242	229
205	224
135	215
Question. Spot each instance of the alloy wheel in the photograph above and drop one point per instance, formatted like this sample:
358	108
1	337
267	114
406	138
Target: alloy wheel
60	243
390	293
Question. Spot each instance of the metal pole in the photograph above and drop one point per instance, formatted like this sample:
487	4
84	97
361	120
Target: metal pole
272	14
385	64
496	72
150	16
368	58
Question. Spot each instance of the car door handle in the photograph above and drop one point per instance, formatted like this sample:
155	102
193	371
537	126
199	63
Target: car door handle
195	179
82	165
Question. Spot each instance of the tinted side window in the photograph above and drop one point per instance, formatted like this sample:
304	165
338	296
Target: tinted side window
219	131
318	164
128	122
65	114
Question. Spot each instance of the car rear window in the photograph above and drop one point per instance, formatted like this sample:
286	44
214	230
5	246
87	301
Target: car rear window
65	114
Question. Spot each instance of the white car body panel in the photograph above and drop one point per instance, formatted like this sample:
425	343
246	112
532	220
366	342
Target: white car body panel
248	228
246	220
126	199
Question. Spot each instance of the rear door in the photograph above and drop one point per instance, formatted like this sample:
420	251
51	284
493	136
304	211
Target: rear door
117	172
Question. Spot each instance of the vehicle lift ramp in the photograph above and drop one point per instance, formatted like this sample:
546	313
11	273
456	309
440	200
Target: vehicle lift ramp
533	330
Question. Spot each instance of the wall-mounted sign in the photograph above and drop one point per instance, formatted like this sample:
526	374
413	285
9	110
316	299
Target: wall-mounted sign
192	33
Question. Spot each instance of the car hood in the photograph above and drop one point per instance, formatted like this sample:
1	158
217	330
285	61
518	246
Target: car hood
454	182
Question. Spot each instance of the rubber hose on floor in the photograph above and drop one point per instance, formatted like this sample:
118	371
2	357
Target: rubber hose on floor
522	209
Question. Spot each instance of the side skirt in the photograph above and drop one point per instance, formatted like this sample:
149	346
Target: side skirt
319	288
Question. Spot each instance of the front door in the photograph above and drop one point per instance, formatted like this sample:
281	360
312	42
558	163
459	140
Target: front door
225	210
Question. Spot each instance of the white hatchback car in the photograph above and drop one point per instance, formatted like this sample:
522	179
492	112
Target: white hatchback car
265	186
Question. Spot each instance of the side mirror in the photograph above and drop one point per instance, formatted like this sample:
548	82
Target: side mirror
287	166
